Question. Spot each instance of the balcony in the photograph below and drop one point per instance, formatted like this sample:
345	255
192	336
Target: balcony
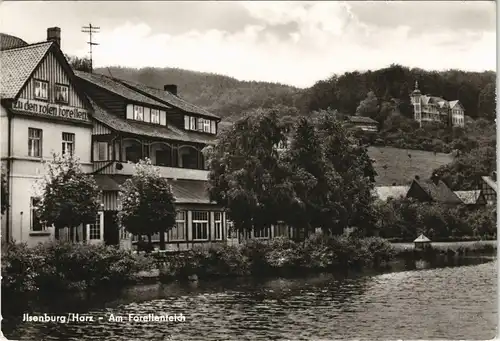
176	161
121	168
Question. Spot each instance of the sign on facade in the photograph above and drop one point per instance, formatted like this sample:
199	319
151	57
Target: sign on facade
50	109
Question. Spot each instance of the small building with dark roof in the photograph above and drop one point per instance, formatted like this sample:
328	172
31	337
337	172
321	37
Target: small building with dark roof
366	124
432	190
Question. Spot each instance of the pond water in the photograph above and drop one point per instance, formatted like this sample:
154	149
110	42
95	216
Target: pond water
410	302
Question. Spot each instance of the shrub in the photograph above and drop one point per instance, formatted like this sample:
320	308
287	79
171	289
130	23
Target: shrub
65	266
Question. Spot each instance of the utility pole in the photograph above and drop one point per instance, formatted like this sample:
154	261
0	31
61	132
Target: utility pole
91	29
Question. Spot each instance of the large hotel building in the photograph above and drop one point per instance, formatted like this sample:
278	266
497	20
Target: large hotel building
109	124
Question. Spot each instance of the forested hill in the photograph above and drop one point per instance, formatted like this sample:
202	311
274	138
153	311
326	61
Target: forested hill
382	90
223	95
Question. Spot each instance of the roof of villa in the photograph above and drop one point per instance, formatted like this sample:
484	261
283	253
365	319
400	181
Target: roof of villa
168	132
167	97
116	87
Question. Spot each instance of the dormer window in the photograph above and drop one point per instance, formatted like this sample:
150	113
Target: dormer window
199	124
138	113
41	89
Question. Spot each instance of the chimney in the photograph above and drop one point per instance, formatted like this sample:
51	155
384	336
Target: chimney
54	34
417	177
172	88
494	176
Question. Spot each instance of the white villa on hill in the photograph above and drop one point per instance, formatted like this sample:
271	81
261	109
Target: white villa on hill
428	108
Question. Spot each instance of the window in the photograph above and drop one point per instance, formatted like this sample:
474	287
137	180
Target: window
206	126
62	93
35	223
200	225
41	89
155	116
281	230
178	232
200	124
138	113
34	142
186	122
218	225
193	123
102	151
213	127
95	229
261	232
68	143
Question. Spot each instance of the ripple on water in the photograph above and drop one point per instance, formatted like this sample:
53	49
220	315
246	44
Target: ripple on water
445	303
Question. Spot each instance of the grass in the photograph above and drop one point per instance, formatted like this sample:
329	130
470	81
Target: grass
400	168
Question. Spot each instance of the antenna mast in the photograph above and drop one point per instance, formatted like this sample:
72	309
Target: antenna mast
91	29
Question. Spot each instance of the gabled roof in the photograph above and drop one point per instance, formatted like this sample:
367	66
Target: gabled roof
439	192
8	42
17	65
362	119
385	192
185	191
422	239
168	132
453	103
469	197
116	87
168	98
490	182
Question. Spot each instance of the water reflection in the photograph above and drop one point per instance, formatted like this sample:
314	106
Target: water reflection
440	302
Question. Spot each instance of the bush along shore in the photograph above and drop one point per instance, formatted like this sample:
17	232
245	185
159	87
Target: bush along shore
56	267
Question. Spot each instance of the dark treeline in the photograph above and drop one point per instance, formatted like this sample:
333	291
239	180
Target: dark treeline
390	88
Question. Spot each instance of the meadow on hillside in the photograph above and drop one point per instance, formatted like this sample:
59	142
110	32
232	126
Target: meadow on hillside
401	168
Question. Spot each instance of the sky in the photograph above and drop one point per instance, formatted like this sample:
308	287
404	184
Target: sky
296	43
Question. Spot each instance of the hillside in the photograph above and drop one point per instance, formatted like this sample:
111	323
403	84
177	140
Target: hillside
225	96
401	169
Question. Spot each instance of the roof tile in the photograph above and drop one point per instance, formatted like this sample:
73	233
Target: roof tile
17	65
118	88
168	132
169	98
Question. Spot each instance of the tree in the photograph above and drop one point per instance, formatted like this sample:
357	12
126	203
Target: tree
487	102
69	197
465	170
148	205
323	179
5	195
246	174
369	106
79	64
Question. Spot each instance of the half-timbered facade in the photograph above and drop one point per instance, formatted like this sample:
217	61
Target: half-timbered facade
43	111
488	187
132	122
